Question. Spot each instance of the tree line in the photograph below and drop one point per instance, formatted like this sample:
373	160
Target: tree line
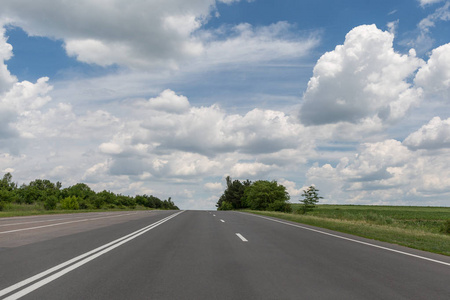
258	195
264	195
79	196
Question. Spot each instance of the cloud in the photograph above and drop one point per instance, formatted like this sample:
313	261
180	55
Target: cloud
434	135
434	77
26	96
193	141
152	35
210	130
429	2
137	34
250	170
110	148
214	186
168	102
424	41
247	44
19	102
291	189
363	79
386	172
6	79
232	1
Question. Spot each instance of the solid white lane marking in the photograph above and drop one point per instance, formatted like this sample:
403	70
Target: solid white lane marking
40	221
81	260
68	217
352	240
222	221
241	237
62	223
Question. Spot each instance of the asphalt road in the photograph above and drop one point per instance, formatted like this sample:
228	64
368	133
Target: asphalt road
205	255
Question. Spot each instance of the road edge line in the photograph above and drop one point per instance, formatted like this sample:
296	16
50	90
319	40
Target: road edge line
351	240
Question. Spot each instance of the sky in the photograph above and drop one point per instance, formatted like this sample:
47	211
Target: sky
167	98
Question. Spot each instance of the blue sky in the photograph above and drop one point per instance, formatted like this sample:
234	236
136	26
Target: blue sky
168	98
35	57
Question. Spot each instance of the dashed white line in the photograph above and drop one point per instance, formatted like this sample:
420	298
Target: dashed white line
222	221
241	237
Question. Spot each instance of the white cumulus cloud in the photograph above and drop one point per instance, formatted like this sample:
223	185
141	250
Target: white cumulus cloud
363	79
434	77
434	135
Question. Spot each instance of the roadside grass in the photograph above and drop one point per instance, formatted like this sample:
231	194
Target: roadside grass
423	228
21	210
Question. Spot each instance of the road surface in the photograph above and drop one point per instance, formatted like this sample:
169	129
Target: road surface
205	255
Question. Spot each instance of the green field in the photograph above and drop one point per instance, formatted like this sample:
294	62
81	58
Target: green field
423	228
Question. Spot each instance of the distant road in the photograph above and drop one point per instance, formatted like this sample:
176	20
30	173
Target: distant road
205	255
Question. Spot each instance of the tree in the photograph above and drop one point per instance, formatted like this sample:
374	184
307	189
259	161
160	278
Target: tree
266	195
70	203
225	205
79	190
50	203
310	199
234	193
6	183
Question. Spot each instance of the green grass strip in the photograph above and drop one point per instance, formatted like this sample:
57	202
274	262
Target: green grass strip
414	238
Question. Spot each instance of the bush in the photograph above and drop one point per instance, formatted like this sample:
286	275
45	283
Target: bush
50	203
280	206
84	204
2	205
6	196
98	202
70	203
445	228
225	205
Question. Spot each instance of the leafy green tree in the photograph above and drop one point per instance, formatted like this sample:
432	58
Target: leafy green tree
80	190
225	206
126	201
282	206
38	191
170	205
262	194
234	193
105	198
8	189
78	196
50	203
70	203
6	183
7	196
310	199
30	194
149	201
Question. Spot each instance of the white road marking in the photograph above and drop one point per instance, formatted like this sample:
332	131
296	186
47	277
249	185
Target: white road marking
68	217
78	261
40	221
222	221
62	223
353	240
241	237
214	215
